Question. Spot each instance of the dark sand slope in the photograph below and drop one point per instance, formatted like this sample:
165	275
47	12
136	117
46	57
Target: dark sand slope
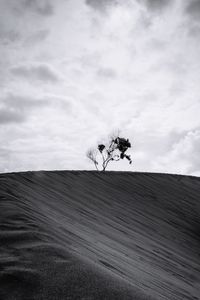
89	235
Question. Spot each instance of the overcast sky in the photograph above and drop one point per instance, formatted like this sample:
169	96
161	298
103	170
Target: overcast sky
72	71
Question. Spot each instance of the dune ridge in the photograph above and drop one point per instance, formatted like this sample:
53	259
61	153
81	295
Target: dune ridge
99	235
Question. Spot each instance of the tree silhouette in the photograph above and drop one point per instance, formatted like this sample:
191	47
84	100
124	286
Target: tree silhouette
114	151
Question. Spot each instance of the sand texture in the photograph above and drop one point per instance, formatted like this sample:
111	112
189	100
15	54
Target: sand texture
99	235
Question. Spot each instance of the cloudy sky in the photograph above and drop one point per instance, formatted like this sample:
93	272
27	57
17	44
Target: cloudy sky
73	71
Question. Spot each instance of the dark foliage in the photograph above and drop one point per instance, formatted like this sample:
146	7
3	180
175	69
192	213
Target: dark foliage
114	151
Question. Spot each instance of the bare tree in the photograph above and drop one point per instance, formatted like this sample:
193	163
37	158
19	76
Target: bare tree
92	154
113	151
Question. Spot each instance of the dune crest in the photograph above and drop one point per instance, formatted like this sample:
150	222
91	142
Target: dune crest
93	235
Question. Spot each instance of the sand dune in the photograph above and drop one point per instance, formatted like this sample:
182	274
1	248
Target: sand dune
94	235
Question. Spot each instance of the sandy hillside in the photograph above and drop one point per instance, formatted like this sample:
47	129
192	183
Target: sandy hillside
93	235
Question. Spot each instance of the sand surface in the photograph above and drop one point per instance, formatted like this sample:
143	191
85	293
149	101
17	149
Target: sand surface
93	235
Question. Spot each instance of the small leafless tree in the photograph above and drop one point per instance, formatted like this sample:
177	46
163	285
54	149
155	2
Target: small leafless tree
113	151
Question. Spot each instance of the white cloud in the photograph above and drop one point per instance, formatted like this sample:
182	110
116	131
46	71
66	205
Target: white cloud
40	7
101	5
15	108
193	9
183	158
100	65
41	72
